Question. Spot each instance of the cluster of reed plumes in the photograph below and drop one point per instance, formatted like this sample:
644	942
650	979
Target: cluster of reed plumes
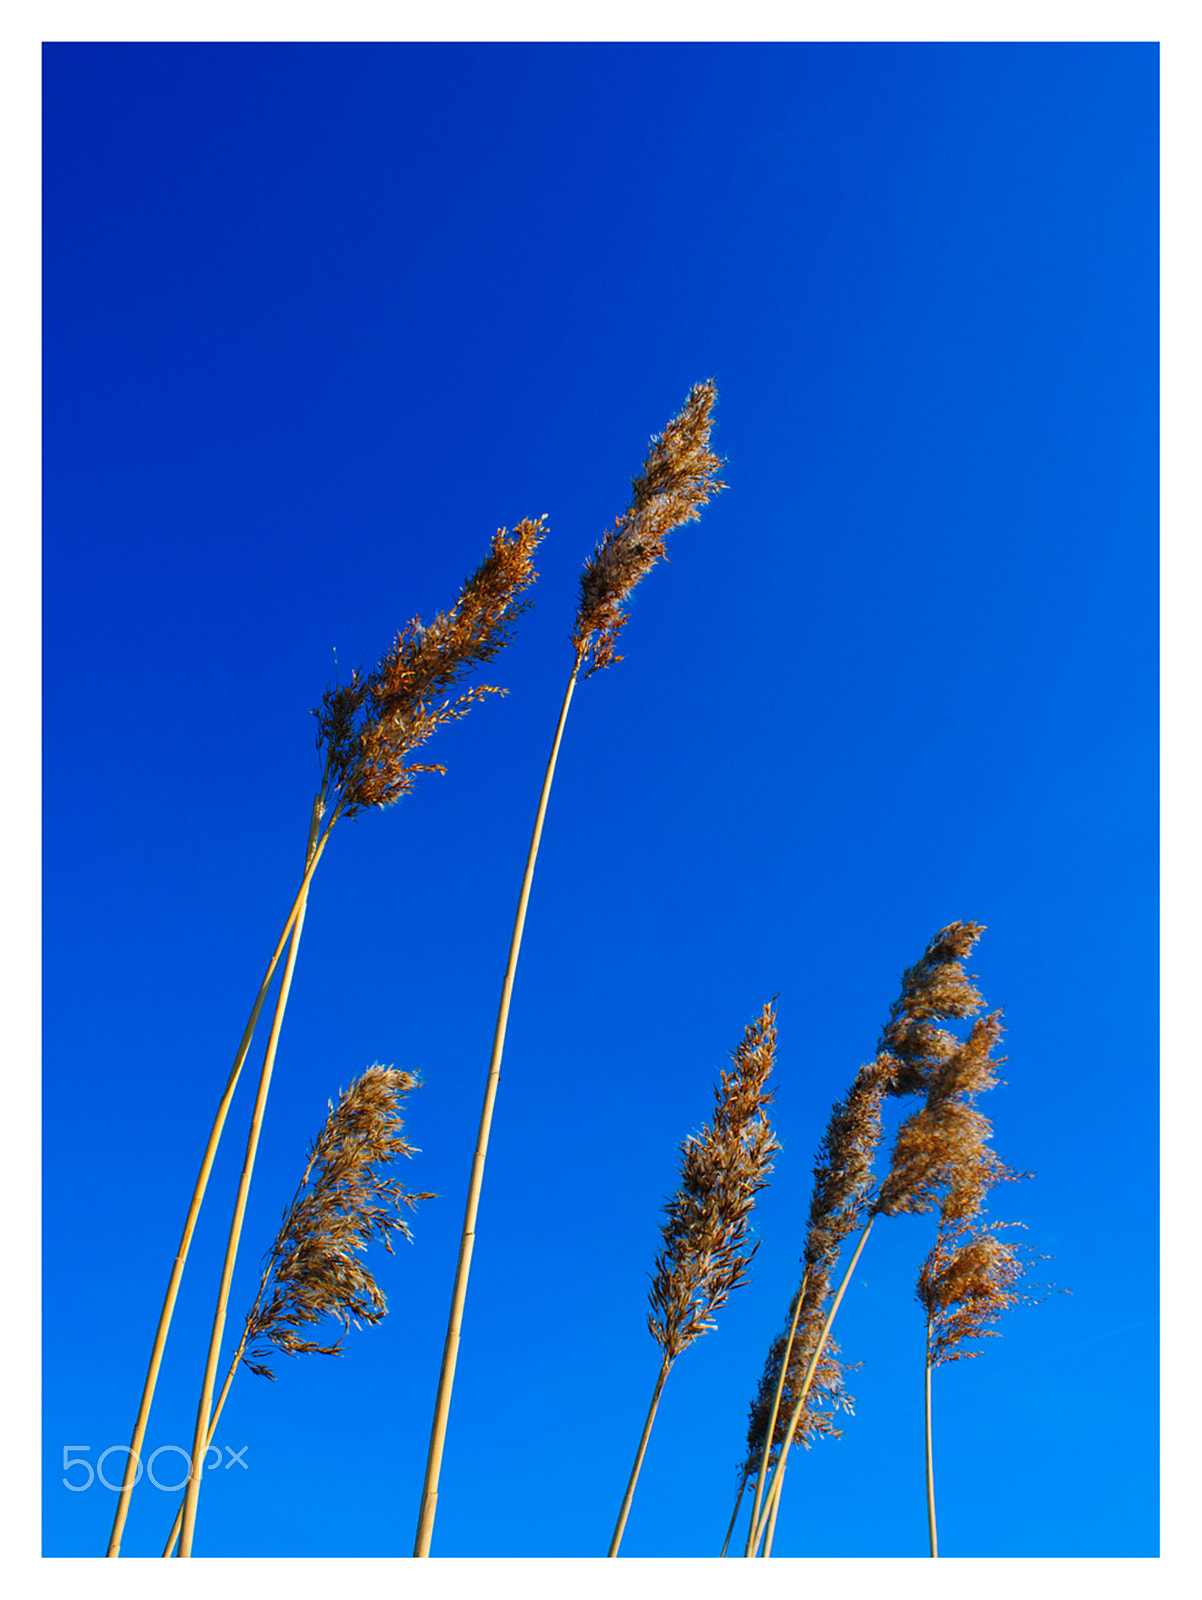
316	1284
941	1160
706	1249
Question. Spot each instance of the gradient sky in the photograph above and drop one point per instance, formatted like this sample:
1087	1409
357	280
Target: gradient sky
318	319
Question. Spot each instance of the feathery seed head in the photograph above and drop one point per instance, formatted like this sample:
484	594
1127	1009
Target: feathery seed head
344	1201
843	1171
678	478
967	1281
935	989
707	1222
369	727
941	1155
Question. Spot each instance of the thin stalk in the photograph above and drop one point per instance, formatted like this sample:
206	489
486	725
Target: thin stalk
229	1378
450	1351
638	1460
734	1516
198	1194
762	1474
767	1550
200	1438
930	1456
216	1418
773	1495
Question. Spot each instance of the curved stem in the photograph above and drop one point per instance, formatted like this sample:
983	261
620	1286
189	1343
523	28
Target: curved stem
762	1475
930	1457
450	1351
198	1192
216	1418
201	1436
734	1516
620	1527
767	1550
773	1496
229	1377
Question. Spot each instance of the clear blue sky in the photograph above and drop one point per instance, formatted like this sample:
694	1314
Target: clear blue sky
318	319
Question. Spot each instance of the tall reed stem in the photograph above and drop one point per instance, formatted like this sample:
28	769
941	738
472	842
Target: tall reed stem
762	1475
767	1550
200	1441
620	1526
757	1530
450	1352
734	1516
198	1193
930	1455
216	1418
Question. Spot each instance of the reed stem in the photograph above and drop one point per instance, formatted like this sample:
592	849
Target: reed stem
762	1474
757	1531
930	1455
216	1418
638	1460
450	1352
198	1193
734	1516
200	1441
767	1550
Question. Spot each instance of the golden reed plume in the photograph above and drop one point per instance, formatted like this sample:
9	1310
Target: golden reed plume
705	1252
678	478
369	727
344	1201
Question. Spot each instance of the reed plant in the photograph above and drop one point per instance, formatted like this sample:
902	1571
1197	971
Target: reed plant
367	732
970	1277
940	1153
706	1253
345	1201
679	476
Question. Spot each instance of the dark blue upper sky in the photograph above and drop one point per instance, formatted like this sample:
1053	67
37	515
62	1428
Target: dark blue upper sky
318	319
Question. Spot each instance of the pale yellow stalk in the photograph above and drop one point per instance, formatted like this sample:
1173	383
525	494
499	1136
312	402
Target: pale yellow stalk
203	1414
450	1352
930	1455
198	1194
216	1418
762	1474
620	1527
734	1516
773	1496
767	1550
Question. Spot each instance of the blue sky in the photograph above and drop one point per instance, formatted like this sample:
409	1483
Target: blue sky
317	321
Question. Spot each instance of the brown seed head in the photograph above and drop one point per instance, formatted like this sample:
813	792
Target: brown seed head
344	1201
935	989
369	727
942	1149
707	1222
967	1281
843	1172
678	478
